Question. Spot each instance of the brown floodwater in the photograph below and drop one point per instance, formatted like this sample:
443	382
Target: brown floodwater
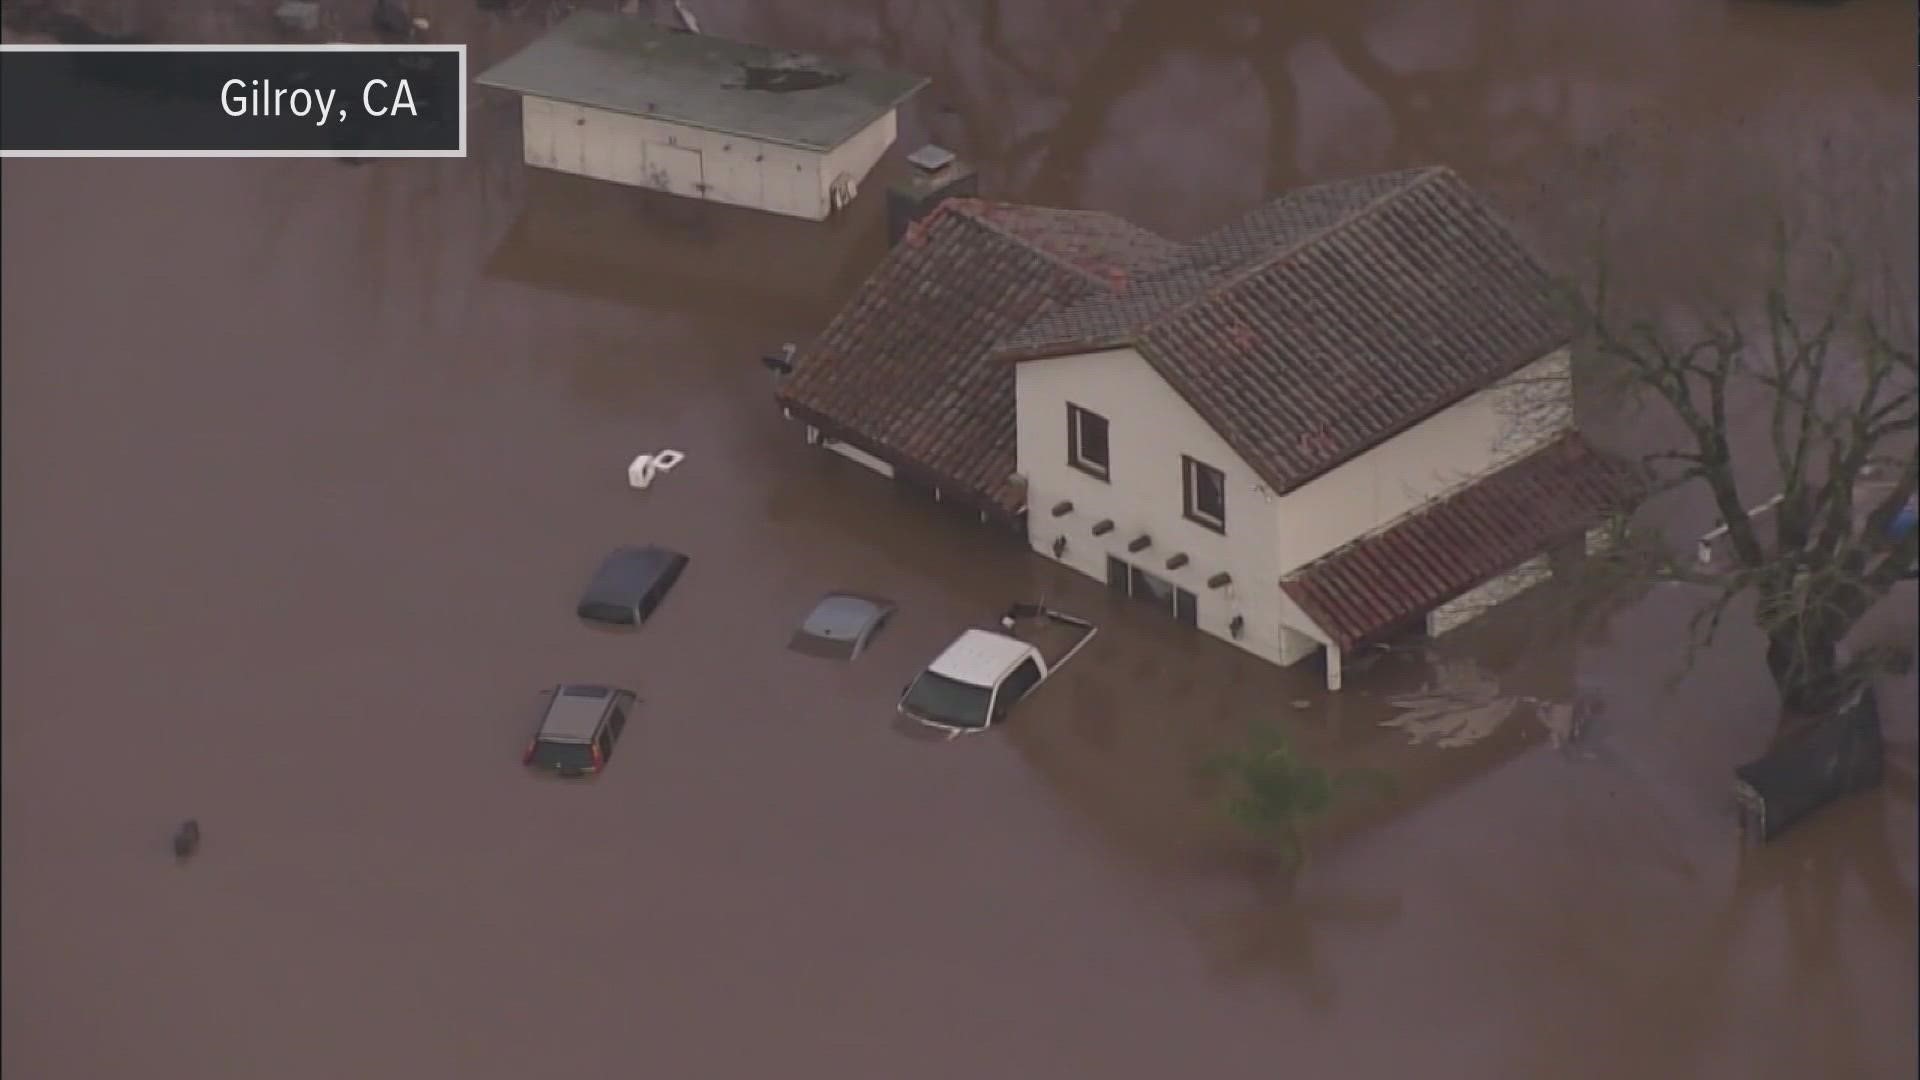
303	465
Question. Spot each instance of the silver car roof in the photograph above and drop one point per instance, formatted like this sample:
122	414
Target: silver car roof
574	713
844	616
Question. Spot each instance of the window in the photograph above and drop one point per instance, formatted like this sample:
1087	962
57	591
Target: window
1205	493
1017	685
939	700
1154	590
1186	608
1087	442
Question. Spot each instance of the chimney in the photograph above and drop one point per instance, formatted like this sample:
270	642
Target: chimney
935	174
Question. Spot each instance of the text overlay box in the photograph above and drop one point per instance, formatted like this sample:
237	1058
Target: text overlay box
233	101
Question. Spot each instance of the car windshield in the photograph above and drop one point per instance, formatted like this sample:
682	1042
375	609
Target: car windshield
549	754
949	702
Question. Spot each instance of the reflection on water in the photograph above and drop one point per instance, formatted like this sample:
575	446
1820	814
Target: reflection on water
1282	934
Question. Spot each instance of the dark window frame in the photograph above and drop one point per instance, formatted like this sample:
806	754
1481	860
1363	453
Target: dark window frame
1022	679
1076	449
1191	469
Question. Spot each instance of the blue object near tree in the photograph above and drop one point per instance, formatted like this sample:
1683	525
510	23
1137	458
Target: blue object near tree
1902	522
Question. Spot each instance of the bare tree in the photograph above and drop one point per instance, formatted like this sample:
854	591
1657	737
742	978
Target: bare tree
1031	107
1796	416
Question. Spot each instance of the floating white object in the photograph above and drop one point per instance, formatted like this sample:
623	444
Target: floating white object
640	474
842	193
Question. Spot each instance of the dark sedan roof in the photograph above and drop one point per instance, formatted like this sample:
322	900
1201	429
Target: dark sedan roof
633	570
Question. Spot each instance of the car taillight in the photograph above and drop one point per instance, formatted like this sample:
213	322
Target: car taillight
527	758
597	759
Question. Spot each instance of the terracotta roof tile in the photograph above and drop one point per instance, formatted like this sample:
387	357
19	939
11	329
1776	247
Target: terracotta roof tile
1334	346
1194	268
1306	332
1460	542
1096	243
905	370
1377	303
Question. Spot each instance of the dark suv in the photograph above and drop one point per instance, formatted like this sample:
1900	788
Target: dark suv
630	583
579	729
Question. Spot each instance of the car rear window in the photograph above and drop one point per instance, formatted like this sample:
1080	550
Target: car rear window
823	648
562	755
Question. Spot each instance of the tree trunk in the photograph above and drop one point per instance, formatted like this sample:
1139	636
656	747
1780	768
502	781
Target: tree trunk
1804	659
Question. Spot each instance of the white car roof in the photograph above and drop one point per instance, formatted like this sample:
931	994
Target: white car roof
980	657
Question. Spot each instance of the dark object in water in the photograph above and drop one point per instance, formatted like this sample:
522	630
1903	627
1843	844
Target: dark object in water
186	839
780	363
789	74
1839	755
1017	612
391	20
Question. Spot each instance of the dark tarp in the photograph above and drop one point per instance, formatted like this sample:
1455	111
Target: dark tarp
1837	756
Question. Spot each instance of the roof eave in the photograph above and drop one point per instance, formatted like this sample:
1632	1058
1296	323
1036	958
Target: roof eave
840	431
1053	350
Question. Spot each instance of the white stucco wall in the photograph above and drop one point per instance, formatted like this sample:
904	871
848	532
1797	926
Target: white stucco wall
1460	444
857	156
1476	602
680	160
1150	427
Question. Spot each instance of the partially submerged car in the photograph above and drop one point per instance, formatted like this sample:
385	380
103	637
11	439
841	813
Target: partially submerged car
841	626
977	680
630	584
579	729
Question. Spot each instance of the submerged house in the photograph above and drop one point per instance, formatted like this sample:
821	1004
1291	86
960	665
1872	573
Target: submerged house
619	98
1343	417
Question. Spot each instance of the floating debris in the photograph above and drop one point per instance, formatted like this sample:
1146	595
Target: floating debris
1463	705
186	839
643	470
788	73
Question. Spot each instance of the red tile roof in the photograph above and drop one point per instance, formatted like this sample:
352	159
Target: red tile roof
1487	528
1312	329
905	370
1330	320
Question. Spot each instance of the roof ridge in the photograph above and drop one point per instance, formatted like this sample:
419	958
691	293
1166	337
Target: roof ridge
988	223
1135	335
1227	283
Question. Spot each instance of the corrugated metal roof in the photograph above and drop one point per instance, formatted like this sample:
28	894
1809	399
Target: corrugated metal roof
629	65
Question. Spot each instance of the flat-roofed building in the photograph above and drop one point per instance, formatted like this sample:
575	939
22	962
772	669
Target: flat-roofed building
618	98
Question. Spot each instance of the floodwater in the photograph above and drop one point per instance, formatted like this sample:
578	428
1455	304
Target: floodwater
303	464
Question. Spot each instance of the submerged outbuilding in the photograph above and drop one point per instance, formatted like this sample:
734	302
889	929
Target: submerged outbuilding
618	98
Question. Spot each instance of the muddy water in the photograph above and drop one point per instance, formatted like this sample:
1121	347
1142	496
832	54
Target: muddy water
303	465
